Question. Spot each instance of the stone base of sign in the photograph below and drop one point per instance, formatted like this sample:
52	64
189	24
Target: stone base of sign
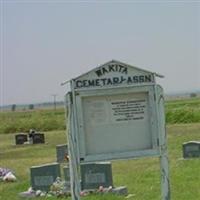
42	177
191	149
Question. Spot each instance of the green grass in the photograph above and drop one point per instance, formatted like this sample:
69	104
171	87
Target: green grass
23	121
183	111
141	176
177	111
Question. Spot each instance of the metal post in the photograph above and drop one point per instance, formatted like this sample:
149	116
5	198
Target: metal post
74	177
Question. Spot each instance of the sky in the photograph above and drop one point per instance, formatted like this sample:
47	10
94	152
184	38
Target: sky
46	42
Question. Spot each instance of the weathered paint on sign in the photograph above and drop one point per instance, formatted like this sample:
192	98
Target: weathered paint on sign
113	74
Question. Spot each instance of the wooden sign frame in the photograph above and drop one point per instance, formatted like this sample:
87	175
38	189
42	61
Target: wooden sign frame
91	87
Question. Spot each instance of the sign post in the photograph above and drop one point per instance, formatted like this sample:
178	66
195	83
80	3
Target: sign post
116	111
74	178
164	163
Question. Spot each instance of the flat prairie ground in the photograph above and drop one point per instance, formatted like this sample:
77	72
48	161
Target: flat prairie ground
141	176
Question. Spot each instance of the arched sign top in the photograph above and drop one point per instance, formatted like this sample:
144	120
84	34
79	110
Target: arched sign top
112	74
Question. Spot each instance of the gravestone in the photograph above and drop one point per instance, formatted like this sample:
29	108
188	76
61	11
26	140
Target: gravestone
43	176
66	173
94	175
38	138
62	153
21	138
191	149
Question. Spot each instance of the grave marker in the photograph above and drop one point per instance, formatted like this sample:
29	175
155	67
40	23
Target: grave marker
42	177
94	175
38	138
20	139
62	153
191	149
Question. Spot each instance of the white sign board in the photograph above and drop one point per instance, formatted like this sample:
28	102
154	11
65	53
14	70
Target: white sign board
115	113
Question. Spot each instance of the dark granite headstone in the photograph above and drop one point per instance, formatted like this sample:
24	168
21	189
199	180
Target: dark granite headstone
191	149
43	176
96	174
38	138
61	152
20	138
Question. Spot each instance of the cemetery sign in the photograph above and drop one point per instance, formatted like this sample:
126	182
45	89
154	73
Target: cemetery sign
116	111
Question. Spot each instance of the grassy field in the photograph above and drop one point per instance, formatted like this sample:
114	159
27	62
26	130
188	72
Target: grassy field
179	111
183	111
43	120
141	176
